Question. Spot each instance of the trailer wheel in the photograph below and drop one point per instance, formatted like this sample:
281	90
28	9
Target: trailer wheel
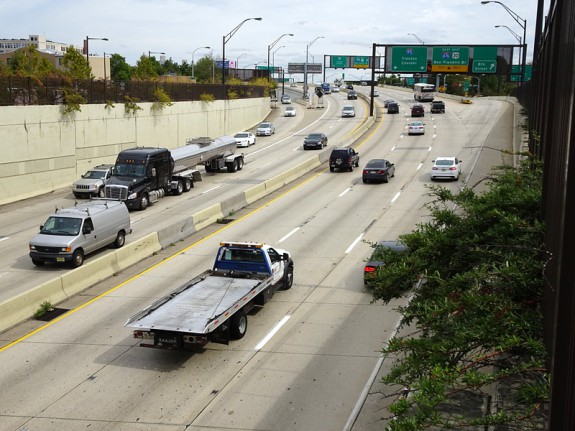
77	258
240	163
288	278
187	185
238	325
231	167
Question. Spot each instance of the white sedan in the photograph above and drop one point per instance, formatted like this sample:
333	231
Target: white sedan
446	167
289	111
245	139
416	128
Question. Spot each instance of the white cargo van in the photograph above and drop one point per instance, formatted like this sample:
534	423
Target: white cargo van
70	234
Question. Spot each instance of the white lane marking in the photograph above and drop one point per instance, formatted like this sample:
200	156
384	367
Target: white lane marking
210	190
4	238
344	192
429	150
419	167
289	234
3	274
275	329
353	244
395	197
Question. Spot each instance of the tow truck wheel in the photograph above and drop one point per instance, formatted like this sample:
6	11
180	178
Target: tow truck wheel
77	258
288	278
238	325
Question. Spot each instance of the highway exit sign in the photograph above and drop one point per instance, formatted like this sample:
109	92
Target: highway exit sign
484	66
409	59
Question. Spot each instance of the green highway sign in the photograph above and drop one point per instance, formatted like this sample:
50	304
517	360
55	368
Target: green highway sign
516	73
484	66
360	62
450	59
410	81
484	59
338	61
408	59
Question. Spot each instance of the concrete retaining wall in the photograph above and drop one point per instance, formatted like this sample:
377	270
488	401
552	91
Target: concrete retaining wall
45	150
18	309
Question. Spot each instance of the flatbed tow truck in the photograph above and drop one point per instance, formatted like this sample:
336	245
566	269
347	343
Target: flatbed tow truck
213	306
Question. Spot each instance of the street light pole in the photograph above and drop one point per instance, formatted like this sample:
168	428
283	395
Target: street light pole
305	89
193	52
523	24
516	37
225	39
271	46
415	36
274	59
92	38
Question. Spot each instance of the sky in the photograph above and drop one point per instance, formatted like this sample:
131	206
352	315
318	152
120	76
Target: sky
180	28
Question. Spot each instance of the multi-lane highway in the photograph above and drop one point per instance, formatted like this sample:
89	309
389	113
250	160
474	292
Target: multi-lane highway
309	356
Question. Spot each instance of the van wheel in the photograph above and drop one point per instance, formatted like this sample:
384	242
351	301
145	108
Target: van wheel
238	325
38	262
120	240
187	185
288	278
144	202
77	258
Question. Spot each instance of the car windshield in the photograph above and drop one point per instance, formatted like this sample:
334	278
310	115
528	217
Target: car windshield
314	136
95	175
348	108
265	126
62	226
241	135
444	162
416	124
130	170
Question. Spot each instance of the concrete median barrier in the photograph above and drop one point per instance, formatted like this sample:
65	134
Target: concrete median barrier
208	216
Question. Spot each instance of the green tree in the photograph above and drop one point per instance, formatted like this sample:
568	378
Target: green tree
120	70
75	64
475	316
28	62
146	69
204	70
169	67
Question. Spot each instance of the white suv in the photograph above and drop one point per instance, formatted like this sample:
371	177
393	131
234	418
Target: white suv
92	182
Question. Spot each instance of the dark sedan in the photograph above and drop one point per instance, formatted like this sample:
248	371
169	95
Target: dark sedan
351	95
315	140
383	248
379	170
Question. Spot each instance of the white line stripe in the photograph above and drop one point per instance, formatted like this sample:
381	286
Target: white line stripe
268	337
419	167
5	238
344	192
353	244
289	234
395	197
211	190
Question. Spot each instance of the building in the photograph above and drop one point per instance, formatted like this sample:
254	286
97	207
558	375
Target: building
53	52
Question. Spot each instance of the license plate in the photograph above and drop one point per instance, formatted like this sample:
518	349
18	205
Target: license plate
60	259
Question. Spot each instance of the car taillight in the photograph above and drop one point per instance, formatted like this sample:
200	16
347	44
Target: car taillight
365	171
453	168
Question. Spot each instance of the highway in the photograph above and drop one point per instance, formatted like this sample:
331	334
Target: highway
309	354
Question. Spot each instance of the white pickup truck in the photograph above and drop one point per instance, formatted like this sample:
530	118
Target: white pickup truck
213	306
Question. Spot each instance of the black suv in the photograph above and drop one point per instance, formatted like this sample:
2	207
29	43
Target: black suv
437	106
343	158
392	108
